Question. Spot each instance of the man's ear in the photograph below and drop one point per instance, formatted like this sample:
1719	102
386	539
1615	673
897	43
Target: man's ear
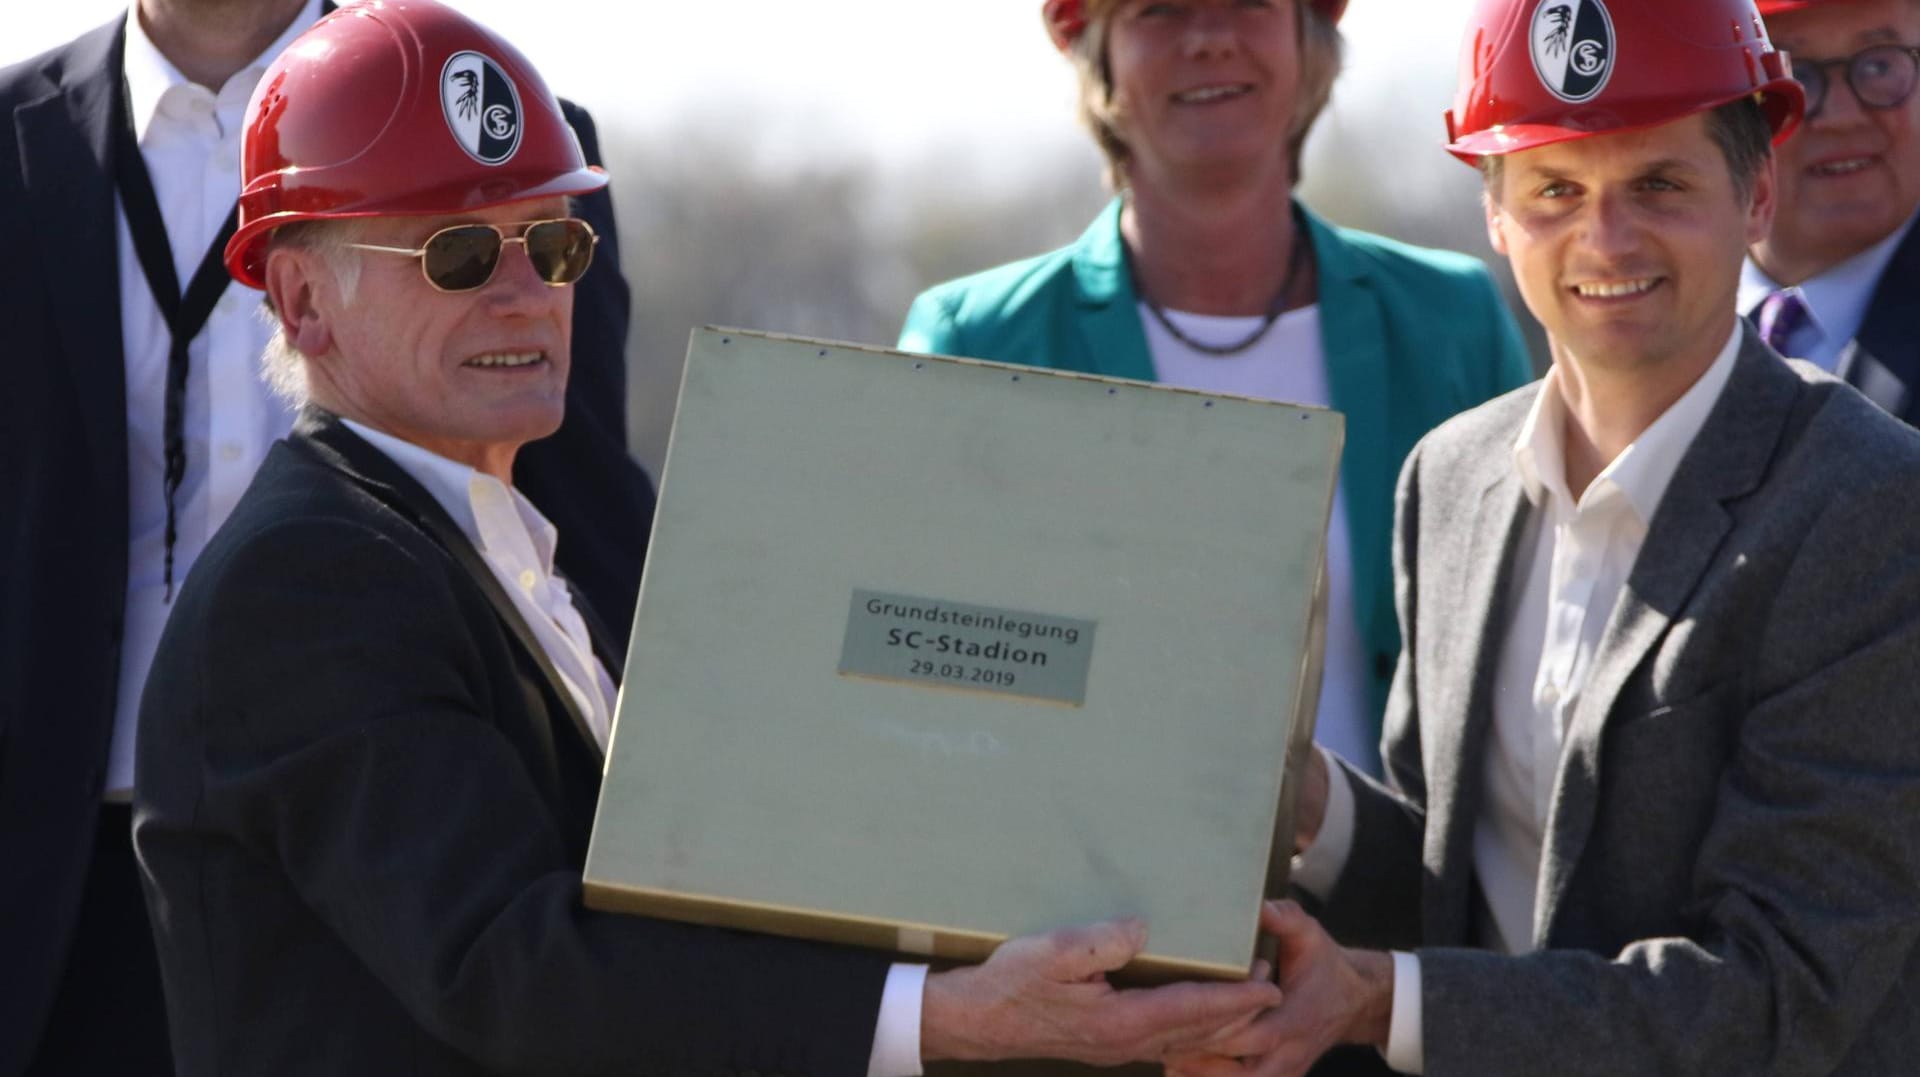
295	280
1765	199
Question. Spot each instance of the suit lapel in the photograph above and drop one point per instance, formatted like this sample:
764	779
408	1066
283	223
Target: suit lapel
372	470
598	635
1727	459
1110	333
1454	785
66	160
1884	360
1876	380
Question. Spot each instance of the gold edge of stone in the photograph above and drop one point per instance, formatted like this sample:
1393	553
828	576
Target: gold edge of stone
948	944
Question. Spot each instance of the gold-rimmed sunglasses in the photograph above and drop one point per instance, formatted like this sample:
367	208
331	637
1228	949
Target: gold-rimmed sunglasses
463	257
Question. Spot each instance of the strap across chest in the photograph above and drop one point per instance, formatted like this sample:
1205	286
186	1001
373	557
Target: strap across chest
185	313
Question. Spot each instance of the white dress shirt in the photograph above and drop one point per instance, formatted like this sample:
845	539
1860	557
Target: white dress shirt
1288	364
1836	301
189	137
517	543
1568	572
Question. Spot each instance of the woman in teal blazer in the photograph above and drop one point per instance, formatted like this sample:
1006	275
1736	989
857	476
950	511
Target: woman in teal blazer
1408	336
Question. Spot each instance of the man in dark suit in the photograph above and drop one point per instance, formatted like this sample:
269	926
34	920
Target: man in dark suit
82	504
1652	776
1834	281
374	728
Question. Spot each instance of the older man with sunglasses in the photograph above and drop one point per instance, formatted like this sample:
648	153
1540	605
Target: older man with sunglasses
1834	281
373	735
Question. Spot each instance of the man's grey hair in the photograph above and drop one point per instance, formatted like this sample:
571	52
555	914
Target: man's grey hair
1321	54
282	366
1739	128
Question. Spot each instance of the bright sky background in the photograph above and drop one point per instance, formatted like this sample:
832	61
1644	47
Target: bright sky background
964	95
897	79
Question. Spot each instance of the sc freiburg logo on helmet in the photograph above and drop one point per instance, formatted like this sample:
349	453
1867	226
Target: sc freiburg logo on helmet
482	107
1572	46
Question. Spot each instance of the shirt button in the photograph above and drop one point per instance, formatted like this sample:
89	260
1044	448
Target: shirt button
528	579
231	451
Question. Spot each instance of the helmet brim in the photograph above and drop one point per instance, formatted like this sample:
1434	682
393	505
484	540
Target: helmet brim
1783	101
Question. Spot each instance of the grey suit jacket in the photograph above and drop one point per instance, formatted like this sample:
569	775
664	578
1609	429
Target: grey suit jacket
1730	880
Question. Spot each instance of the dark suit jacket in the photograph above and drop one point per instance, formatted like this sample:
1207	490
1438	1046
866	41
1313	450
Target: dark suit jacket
363	808
63	492
1730	877
1888	345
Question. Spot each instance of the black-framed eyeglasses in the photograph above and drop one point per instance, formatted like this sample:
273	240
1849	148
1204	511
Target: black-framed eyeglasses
463	257
1881	76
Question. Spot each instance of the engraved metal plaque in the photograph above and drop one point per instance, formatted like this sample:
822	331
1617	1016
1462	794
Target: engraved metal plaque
972	648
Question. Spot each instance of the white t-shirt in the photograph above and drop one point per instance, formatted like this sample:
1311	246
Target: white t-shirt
1287	363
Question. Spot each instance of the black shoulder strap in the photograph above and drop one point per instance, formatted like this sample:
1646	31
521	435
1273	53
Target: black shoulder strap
186	314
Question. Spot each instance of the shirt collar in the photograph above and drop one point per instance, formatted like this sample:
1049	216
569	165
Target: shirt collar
1643	470
150	74
485	509
1837	299
1537	455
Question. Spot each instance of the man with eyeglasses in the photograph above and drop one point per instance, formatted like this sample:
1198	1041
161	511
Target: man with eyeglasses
133	418
375	727
1834	281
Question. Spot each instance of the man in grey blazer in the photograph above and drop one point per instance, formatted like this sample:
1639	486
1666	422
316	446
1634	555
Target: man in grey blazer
1653	794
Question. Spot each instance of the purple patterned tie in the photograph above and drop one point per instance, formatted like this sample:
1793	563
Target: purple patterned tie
1781	314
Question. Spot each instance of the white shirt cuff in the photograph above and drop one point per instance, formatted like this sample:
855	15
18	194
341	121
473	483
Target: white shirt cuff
1317	869
1406	1051
896	1036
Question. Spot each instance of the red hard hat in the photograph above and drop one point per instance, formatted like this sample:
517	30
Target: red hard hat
1775	7
397	107
1535	72
1065	19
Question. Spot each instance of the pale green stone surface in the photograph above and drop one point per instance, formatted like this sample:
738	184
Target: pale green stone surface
1188	528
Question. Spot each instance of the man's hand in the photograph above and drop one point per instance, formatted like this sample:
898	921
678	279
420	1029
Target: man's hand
1333	996
1310	809
1046	996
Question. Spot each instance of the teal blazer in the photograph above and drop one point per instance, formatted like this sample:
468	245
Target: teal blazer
1411	336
